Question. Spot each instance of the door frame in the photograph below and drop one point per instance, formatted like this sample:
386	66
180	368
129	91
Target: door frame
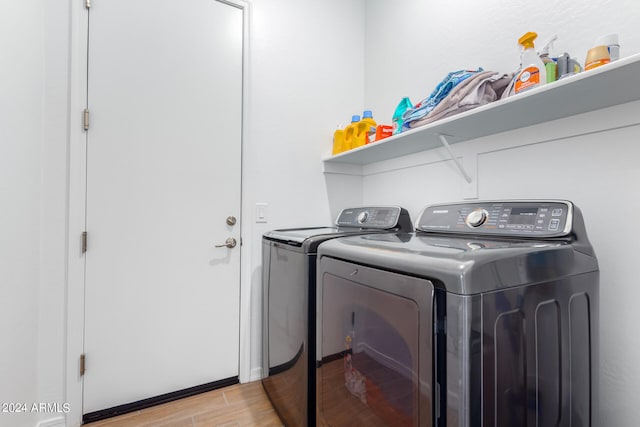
76	180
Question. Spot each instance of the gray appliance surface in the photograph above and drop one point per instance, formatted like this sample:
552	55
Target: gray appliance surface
351	221
288	277
504	294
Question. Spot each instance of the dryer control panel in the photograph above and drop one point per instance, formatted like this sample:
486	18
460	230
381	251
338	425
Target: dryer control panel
526	218
380	217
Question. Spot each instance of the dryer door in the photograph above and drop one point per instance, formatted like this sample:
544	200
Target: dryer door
375	330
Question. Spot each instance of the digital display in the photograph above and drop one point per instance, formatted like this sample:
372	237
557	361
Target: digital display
382	215
526	216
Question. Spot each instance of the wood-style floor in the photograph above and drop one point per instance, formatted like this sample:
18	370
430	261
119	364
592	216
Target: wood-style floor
234	406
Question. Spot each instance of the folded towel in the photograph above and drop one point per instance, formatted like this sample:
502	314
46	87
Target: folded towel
424	107
479	89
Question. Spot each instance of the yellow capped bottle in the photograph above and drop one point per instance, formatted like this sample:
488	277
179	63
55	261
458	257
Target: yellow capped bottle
350	133
365	129
338	142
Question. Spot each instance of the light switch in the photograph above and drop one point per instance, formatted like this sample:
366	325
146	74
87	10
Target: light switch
262	212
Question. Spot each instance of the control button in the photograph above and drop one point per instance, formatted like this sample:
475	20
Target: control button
554	224
477	217
556	212
362	216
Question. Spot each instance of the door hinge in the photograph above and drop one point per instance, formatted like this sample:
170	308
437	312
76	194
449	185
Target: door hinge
87	4
84	241
85	119
82	364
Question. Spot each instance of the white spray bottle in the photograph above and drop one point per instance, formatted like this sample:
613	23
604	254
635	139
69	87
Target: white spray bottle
532	74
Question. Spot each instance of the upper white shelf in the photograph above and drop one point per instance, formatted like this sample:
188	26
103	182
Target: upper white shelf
611	84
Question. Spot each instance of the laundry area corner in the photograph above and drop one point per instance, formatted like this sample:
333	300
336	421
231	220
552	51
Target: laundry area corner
584	154
303	69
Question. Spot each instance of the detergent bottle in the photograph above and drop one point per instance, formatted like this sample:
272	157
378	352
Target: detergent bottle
550	60
338	142
350	133
404	105
366	129
533	72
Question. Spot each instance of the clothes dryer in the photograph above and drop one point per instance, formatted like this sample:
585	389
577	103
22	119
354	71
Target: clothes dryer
289	311
487	315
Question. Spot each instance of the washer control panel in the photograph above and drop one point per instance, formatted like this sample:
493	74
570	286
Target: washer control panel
369	217
533	218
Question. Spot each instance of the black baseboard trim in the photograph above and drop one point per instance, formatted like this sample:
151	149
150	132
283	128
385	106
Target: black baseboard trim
332	357
286	365
156	400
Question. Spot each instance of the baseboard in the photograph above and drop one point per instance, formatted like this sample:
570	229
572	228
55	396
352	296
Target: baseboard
387	361
256	374
53	422
156	400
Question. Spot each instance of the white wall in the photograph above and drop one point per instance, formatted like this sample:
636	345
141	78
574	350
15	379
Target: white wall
33	171
21	137
412	44
597	170
305	78
53	219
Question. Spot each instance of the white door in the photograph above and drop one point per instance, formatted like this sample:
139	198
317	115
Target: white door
163	176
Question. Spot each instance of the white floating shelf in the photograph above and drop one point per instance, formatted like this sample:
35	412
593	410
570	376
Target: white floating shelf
611	84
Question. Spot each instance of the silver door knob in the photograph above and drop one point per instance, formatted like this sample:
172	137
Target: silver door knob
229	243
231	220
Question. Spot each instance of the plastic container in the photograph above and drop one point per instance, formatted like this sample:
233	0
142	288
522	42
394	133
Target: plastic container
404	105
550	58
338	142
596	56
350	133
366	129
533	73
567	66
551	69
612	44
383	131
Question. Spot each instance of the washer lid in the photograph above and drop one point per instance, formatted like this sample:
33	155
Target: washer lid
299	235
462	264
308	239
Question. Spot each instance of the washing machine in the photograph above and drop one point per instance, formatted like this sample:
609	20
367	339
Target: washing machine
487	315
289	272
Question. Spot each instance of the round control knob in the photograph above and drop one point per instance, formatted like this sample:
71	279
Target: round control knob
362	216
477	217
